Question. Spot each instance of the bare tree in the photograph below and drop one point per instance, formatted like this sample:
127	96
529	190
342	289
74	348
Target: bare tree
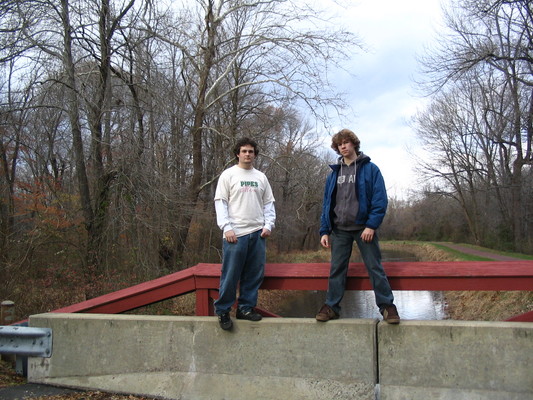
10	143
235	45
61	35
486	58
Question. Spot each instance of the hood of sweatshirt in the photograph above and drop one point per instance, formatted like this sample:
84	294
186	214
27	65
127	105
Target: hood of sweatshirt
361	158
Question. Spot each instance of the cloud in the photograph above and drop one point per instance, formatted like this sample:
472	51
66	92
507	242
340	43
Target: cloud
382	93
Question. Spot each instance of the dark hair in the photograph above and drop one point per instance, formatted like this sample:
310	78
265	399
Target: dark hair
244	142
341	136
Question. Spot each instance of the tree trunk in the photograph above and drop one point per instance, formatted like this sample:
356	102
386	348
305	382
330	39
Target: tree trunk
197	130
73	107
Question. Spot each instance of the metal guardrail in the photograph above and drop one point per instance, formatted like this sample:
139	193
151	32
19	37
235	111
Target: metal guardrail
26	341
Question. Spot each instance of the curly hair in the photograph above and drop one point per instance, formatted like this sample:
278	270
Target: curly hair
341	136
244	142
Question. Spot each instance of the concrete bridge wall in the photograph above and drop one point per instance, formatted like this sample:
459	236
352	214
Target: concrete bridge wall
192	358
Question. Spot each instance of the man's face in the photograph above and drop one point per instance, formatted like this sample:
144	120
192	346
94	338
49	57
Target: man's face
346	148
246	155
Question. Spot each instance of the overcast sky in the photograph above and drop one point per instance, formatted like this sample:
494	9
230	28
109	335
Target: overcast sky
383	94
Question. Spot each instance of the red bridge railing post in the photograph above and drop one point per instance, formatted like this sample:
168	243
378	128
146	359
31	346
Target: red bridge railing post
204	302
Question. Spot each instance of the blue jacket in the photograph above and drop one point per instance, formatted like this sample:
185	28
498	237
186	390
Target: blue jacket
370	191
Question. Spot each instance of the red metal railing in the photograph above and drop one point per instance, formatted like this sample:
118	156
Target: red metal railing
432	276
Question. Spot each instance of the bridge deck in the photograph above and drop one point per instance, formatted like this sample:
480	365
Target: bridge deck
433	276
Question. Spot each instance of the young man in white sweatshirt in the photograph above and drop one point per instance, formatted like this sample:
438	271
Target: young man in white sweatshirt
245	211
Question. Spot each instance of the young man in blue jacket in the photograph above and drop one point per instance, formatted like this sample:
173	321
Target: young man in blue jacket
355	203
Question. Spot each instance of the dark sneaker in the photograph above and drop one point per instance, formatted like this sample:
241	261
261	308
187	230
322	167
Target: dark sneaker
249	315
390	314
224	321
326	313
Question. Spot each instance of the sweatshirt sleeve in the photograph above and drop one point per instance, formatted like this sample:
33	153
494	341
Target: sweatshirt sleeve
270	215
223	222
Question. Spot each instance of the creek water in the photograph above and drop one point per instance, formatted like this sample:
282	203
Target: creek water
416	305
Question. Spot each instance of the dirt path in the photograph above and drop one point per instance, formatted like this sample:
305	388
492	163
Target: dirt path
480	253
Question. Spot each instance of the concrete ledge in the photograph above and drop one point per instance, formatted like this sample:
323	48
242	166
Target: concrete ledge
455	360
287	358
192	358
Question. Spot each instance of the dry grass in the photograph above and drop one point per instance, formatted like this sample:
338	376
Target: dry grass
487	306
8	376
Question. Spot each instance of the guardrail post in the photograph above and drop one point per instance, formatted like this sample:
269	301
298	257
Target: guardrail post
7	312
7	316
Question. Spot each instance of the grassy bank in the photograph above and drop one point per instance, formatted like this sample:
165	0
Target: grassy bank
472	305
484	305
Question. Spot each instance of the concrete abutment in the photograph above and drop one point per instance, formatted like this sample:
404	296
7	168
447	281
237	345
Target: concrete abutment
286	358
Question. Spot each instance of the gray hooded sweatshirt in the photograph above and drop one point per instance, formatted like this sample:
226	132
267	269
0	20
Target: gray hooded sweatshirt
346	203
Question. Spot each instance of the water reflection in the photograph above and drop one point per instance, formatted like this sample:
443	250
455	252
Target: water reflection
417	305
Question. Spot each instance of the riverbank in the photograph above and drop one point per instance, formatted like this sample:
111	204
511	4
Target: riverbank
471	305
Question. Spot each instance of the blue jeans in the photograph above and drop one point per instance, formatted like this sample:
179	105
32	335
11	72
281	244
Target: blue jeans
341	251
242	262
